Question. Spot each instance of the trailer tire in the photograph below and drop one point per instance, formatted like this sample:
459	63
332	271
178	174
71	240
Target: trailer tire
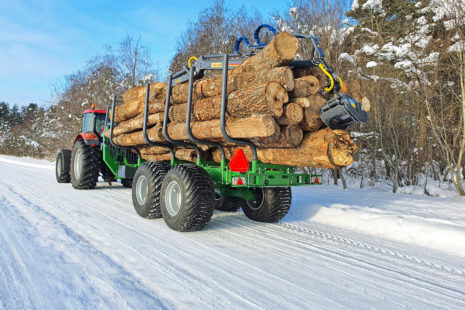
146	187
270	206
85	166
62	166
187	198
126	183
229	204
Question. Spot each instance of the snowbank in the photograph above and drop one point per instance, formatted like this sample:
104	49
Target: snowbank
437	223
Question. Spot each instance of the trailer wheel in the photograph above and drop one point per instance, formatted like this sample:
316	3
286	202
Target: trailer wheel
126	183
62	164
187	198
146	187
229	204
85	166
270	205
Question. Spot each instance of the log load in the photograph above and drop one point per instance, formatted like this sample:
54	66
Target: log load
254	127
134	100
263	99
325	148
270	104
212	86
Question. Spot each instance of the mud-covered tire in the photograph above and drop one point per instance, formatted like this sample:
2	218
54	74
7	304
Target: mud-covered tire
229	204
146	187
85	166
62	166
187	198
270	206
126	183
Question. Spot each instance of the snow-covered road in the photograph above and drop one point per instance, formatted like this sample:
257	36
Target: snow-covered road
66	249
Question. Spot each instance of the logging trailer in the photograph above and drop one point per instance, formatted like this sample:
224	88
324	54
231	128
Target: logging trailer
185	194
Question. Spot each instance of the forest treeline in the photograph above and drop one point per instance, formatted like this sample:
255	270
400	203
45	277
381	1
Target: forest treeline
409	57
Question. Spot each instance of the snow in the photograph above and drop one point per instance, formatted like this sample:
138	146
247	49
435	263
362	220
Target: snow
371	64
336	249
375	5
348	58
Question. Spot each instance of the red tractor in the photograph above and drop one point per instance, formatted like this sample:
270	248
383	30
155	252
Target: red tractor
82	165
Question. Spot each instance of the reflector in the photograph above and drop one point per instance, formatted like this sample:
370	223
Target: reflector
239	162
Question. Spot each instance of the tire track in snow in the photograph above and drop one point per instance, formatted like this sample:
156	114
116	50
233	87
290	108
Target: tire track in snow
327	236
295	244
14	272
100	264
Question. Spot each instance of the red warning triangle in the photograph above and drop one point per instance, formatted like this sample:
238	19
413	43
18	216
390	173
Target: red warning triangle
317	181
239	162
239	181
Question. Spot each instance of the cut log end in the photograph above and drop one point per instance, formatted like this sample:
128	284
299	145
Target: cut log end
286	45
276	96
341	148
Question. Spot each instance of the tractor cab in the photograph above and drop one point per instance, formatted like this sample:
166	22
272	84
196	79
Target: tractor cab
93	119
93	123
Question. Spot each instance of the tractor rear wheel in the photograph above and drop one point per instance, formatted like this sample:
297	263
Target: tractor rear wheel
187	198
146	187
62	166
270	204
85	166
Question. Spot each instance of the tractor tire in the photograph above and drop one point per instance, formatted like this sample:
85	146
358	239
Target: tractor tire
187	198
62	166
229	204
85	166
126	183
147	183
270	205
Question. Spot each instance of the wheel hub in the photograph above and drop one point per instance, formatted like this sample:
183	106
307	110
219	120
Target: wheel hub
78	164
142	190
59	165
173	198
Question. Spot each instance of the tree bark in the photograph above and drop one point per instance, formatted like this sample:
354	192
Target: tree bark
212	86
152	150
288	136
157	157
247	128
315	71
263	99
135	124
325	148
136	138
279	52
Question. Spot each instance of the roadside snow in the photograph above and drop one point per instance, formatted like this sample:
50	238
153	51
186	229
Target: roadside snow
437	223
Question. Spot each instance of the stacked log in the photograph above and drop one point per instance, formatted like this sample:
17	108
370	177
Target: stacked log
269	103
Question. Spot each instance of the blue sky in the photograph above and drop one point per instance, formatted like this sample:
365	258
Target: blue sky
42	41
